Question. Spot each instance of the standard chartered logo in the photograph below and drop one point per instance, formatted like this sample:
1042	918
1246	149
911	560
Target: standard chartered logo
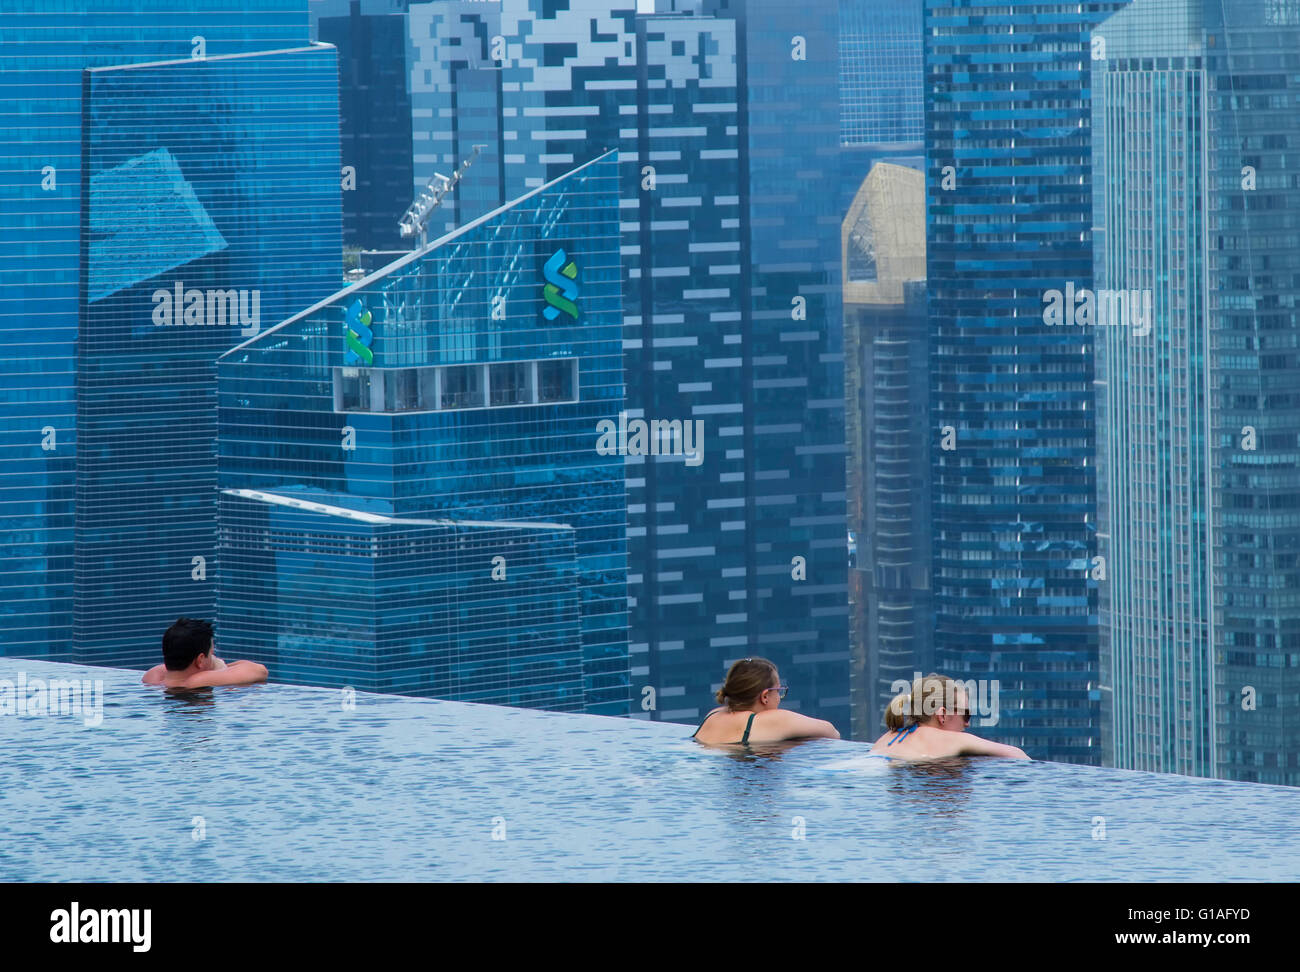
357	335
561	290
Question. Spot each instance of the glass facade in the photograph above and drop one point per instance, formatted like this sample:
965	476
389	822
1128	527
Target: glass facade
1009	212
732	299
886	396
328	595
787	494
42	54
464	322
374	121
460	73
1153	407
210	213
1201	667
881	83
1253	66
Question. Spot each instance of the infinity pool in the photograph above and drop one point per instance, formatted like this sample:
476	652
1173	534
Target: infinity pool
284	783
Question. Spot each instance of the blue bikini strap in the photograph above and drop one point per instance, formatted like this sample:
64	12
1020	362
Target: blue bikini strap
902	733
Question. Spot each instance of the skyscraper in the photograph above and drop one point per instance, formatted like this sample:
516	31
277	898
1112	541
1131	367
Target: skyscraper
457	54
790	355
434	435
457	609
1153	390
1197	415
882	94
43	185
732	299
374	120
886	349
1009	211
211	212
887	415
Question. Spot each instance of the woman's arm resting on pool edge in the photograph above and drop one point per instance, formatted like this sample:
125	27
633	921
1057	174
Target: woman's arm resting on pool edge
798	726
975	746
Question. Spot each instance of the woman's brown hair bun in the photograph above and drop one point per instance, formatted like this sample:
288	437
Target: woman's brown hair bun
746	680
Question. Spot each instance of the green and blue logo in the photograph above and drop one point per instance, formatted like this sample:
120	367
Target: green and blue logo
561	290
357	335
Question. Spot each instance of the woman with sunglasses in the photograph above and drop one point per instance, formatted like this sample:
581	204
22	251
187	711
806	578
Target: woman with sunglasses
930	722
751	712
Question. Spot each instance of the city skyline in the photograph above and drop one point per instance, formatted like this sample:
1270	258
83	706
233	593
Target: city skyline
872	338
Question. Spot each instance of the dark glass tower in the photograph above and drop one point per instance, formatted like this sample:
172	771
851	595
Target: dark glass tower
1009	212
1200	416
732	299
211	212
422	452
886	350
44	187
374	122
1254	89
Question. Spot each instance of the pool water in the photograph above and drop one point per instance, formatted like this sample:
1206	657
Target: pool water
286	783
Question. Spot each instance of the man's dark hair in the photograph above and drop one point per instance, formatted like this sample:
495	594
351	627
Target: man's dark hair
184	641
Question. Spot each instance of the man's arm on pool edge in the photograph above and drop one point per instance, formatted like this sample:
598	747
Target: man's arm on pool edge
235	673
158	674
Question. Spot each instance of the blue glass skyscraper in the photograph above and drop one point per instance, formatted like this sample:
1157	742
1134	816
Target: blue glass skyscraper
785	402
458	609
1009	211
43	190
887	415
210	213
423	451
458	57
732	299
1153	390
374	120
882	97
886	349
1197	409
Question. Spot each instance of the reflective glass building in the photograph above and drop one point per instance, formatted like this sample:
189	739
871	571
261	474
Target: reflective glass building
43	243
374	118
426	416
1198	419
1009	213
1153	392
886	393
332	595
886	349
458	64
732	298
881	83
211	212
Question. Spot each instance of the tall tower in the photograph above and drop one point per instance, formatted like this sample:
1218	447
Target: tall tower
1009	210
1197	419
730	241
61	273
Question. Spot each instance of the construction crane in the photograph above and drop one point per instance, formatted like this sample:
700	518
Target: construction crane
415	220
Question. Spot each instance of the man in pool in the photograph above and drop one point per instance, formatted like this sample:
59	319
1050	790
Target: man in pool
190	660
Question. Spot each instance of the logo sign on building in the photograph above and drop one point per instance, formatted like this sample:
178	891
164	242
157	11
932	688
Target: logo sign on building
357	335
561	290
